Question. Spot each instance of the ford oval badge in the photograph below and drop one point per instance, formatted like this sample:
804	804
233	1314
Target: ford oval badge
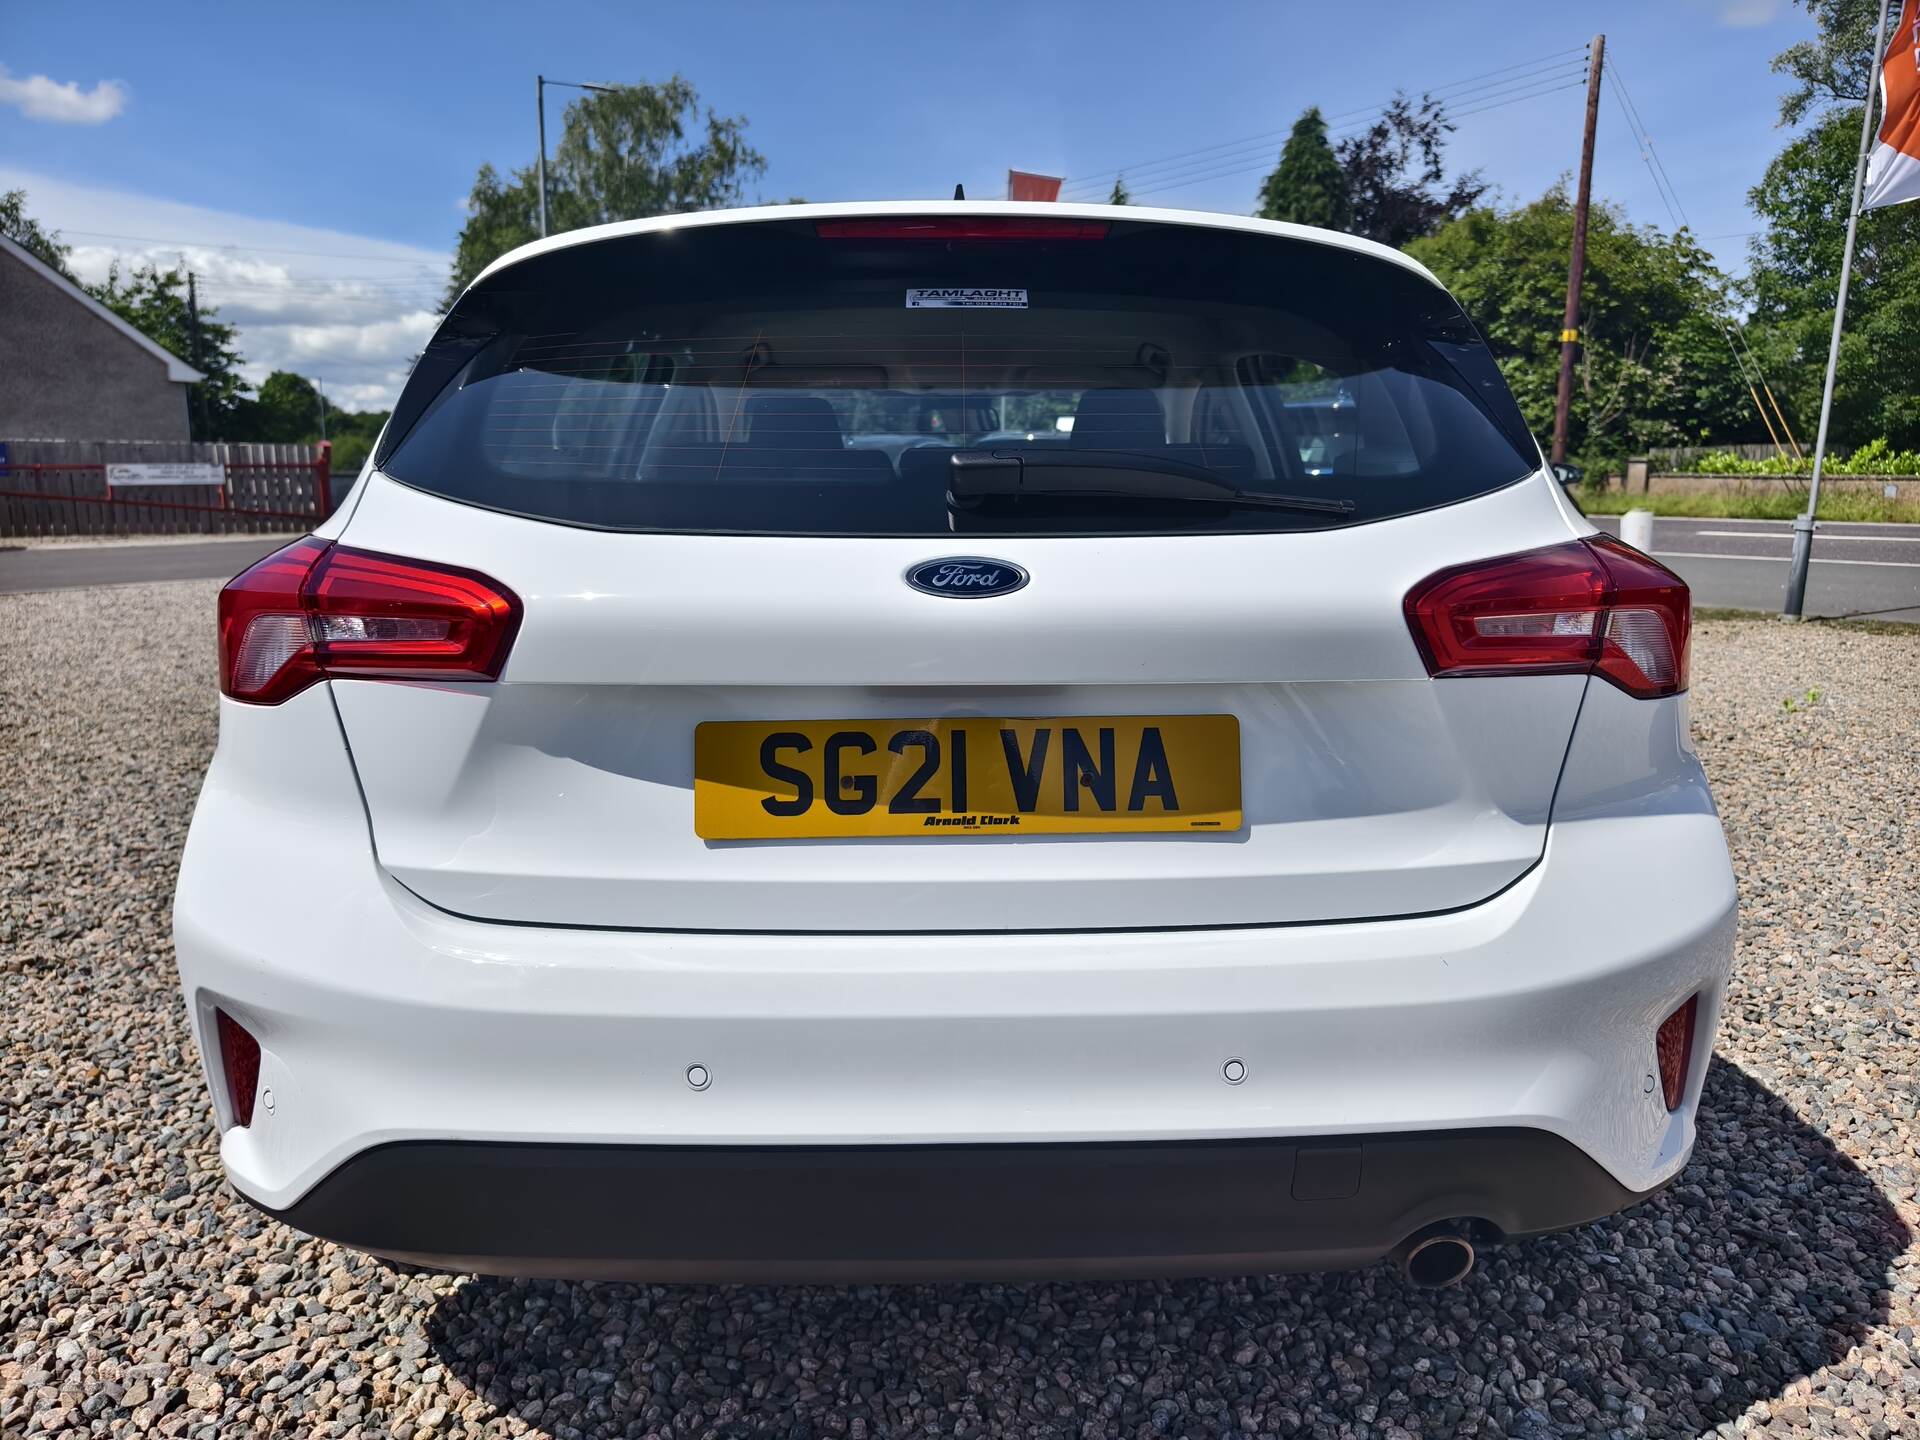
966	576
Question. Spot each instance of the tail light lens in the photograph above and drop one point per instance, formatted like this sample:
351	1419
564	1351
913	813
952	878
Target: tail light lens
239	1065
1593	606
316	609
1673	1049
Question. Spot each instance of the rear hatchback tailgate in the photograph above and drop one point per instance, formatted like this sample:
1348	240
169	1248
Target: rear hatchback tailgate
707	457
564	793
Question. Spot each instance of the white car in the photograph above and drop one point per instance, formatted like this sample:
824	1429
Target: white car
655	835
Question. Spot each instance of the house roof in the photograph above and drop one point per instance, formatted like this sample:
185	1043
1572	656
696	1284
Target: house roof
177	369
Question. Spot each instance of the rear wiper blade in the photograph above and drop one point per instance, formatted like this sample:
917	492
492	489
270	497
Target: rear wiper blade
976	474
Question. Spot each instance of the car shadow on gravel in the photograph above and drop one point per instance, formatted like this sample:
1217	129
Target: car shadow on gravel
1768	1260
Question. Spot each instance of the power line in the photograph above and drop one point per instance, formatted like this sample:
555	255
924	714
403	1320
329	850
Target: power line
1260	154
1101	178
261	249
344	288
1744	360
1177	182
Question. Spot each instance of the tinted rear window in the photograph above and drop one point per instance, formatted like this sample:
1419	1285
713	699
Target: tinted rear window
765	379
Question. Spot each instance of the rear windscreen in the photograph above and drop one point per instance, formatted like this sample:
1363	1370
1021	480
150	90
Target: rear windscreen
1137	378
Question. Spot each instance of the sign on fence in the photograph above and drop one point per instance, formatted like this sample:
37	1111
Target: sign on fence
185	472
162	487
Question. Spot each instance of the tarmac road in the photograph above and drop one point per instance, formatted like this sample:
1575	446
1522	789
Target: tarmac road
65	567
1858	569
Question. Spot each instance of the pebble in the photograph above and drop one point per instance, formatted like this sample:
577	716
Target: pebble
1771	1290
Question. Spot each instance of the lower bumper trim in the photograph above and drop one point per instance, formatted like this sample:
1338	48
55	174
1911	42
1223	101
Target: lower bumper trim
844	1214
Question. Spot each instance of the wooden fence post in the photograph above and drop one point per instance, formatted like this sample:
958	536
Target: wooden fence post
323	482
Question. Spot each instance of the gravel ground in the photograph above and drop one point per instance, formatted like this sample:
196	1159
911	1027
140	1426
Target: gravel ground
1771	1290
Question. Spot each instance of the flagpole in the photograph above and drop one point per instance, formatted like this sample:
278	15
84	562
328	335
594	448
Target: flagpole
1803	525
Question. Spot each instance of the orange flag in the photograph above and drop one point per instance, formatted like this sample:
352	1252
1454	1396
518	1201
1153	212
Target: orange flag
1893	169
1025	185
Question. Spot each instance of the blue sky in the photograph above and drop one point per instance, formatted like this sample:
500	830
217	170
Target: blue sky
319	191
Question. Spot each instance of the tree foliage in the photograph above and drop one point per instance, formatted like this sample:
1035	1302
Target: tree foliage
287	410
1121	195
1395	174
1387	183
29	235
1654	366
1307	187
1836	66
1795	275
624	153
154	302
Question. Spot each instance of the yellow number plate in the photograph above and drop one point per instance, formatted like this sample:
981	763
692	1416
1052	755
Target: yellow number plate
1058	776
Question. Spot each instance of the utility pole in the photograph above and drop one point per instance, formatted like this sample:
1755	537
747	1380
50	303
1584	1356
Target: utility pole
1577	263
197	416
540	107
1796	598
321	395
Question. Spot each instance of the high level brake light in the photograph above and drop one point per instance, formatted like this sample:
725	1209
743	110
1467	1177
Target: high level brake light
961	227
316	609
1593	606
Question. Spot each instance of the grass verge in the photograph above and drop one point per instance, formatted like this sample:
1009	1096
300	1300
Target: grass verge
1784	505
1905	628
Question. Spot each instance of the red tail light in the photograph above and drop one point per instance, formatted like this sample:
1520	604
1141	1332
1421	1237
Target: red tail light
317	609
961	227
1673	1049
1591	606
239	1065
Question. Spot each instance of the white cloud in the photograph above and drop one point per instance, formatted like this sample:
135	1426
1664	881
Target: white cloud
1749	14
62	102
347	310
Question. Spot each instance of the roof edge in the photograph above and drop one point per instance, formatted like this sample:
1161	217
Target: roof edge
177	369
1203	219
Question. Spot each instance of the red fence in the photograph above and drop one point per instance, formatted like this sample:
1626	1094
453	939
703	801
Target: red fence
264	488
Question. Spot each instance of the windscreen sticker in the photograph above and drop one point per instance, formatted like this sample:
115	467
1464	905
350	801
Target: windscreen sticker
966	297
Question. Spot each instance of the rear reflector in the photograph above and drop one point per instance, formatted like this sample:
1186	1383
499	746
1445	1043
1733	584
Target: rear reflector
1591	606
961	227
239	1066
1673	1049
317	609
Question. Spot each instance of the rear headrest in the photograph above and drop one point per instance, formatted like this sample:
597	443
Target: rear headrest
793	422
1119	419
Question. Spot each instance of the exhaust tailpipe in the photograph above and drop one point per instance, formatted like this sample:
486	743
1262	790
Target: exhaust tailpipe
1436	1258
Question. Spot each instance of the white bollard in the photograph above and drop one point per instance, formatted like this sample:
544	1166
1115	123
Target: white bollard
1636	528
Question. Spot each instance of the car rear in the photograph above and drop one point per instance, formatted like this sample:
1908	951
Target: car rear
952	739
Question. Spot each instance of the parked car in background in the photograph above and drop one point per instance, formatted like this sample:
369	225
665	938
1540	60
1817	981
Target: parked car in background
685	821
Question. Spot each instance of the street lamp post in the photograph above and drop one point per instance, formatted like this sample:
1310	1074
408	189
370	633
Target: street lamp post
540	83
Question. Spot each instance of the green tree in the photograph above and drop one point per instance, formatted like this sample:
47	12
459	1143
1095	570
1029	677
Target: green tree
625	153
1121	195
1394	174
27	233
1794	279
1307	187
1836	66
1654	366
353	433
154	302
287	409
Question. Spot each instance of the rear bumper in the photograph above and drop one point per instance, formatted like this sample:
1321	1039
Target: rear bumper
943	1212
384	1021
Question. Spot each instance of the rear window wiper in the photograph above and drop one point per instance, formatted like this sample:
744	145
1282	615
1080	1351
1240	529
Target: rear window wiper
976	474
